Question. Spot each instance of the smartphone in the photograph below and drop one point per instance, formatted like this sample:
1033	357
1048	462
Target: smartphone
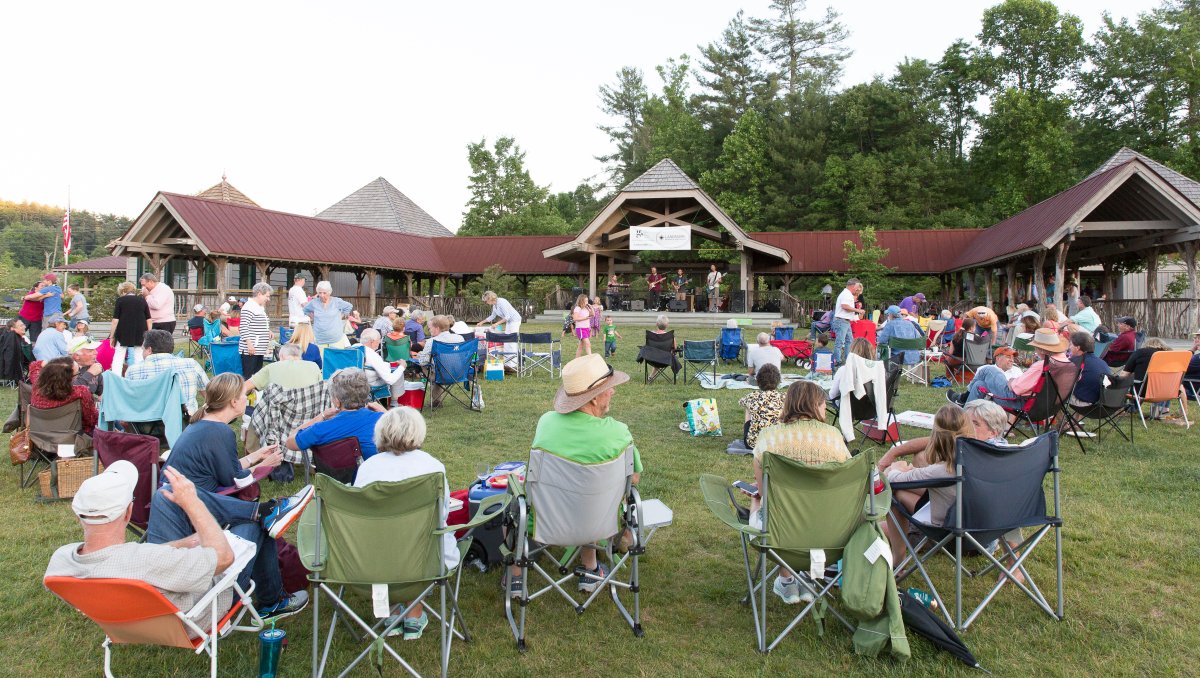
747	488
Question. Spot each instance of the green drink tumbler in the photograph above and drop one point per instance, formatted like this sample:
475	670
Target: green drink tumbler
270	645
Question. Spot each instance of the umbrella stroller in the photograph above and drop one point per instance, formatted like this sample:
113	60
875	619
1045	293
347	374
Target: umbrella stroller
799	350
926	623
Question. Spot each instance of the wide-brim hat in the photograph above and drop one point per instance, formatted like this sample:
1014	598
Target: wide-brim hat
460	327
1048	340
585	378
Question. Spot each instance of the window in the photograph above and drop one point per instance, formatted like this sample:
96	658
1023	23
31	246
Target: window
247	276
208	276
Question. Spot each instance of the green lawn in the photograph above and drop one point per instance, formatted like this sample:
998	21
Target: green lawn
1131	545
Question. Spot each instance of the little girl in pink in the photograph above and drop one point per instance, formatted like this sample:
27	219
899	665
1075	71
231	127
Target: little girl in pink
582	316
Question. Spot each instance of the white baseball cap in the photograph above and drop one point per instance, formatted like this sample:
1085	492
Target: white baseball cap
83	343
102	499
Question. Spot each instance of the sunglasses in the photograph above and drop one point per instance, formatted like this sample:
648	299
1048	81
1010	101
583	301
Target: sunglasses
599	381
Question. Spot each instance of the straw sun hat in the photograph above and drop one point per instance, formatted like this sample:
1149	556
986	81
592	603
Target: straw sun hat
1048	340
585	378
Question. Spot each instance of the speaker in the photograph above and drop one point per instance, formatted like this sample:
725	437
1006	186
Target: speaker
677	306
637	305
737	304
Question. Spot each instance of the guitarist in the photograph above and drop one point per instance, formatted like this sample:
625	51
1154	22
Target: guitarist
680	285
654	282
713	286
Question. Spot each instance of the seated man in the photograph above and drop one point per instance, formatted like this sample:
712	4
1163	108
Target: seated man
91	372
414	327
1092	370
579	430
901	328
195	324
383	324
761	354
1086	317
995	379
379	371
1124	345
289	371
182	570
52	342
439	330
158	357
820	326
353	413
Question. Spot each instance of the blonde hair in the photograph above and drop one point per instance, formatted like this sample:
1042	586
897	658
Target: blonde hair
489	296
302	336
399	430
803	400
949	422
1051	314
222	390
862	348
442	322
581	301
126	287
1155	342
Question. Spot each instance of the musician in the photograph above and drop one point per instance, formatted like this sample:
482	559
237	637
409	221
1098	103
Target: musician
712	285
680	285
614	292
654	282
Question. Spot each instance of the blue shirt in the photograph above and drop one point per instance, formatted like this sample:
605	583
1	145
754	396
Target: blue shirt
83	314
328	319
415	331
901	329
50	344
1093	370
53	303
206	454
358	423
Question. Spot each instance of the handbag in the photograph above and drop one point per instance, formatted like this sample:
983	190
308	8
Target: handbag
18	447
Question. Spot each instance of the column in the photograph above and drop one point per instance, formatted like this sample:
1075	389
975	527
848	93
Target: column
408	284
371	289
1060	275
744	282
1039	279
1151	291
1189	259
592	273
221	270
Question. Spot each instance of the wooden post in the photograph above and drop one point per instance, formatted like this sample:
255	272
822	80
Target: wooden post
592	273
1039	279
987	286
1151	291
323	269
408	284
264	275
744	280
1189	259
1010	279
371	289
1060	275
87	283
358	279
958	286
442	285
221	267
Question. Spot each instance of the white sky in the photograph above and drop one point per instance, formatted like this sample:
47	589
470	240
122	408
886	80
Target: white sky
301	103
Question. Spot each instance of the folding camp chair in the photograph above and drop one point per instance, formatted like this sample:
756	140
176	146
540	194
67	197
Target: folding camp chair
809	513
863	409
225	357
784	332
395	350
732	345
1163	382
534	358
975	355
512	358
452	372
334	359
998	489
1041	410
140	450
700	355
865	329
822	361
658	354
565	517
132	612
1113	404
915	373
385	540
933	334
285	334
49	428
338	460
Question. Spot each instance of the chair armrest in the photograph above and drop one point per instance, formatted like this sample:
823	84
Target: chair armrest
923	484
243	554
717	499
483	514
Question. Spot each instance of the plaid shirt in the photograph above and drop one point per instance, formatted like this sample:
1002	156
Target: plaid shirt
191	376
280	411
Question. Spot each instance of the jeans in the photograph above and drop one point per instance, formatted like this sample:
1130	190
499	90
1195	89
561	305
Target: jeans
610	347
168	522
991	378
841	345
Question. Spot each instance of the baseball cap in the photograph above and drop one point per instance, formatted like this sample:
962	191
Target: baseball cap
389	309
198	307
1004	350
83	343
55	318
103	498
893	310
51	277
1128	320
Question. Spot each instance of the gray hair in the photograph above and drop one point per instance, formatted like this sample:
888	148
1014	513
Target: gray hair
262	288
852	282
369	334
661	322
290	351
148	277
324	286
989	413
350	388
158	341
763	339
489	296
399	430
417	315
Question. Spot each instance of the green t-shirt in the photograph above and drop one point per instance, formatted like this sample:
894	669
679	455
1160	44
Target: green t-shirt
610	332
288	374
584	439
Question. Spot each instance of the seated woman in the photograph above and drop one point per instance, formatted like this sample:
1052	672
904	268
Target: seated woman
395	337
1051	319
859	347
234	319
953	357
53	387
399	434
218	316
802	435
303	337
763	407
414	327
354	413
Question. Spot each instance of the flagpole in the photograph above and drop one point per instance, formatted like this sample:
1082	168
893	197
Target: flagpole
66	242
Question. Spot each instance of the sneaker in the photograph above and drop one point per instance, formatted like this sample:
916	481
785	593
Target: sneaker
413	628
286	607
587	583
955	397
286	511
788	591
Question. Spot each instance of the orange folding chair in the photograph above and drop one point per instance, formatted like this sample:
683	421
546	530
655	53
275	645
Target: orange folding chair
133	612
1163	382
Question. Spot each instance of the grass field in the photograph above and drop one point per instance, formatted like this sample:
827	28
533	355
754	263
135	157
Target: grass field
1131	546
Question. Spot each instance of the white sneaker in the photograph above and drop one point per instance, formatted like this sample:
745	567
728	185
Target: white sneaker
791	592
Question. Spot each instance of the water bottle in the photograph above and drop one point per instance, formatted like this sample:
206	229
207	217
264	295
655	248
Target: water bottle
270	645
876	481
923	598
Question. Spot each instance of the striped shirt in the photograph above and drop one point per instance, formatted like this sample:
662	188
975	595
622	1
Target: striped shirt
255	329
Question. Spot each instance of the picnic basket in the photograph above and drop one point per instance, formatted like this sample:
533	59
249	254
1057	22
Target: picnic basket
70	475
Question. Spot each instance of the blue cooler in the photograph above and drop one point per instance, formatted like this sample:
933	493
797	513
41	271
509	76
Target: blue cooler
485	551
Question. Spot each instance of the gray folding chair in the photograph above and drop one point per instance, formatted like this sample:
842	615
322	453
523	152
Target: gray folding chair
573	506
540	351
999	489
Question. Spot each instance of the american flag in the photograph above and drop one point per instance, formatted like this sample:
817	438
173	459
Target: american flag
66	233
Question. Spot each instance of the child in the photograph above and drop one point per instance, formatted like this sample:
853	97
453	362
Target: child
582	317
597	310
610	336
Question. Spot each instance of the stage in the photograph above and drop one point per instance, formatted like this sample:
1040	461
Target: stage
684	319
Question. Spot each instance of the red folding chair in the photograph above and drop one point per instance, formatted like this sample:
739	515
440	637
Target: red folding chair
142	452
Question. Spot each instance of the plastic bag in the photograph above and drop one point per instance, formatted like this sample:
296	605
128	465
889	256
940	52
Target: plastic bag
702	417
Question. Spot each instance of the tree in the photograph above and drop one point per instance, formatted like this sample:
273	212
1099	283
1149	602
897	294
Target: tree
625	101
865	262
495	279
504	198
1024	149
671	128
807	53
1029	45
732	78
739	179
958	79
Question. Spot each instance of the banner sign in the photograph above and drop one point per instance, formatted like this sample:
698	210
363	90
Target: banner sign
660	238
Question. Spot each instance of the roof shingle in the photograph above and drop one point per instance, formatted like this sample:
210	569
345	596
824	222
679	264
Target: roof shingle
381	205
665	176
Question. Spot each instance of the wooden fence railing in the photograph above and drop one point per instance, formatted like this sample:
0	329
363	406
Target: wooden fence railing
470	309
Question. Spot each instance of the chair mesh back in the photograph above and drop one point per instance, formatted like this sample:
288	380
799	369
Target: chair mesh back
498	338
334	359
49	428
139	450
398	349
731	342
338	459
1164	375
536	338
452	363
1002	485
662	342
813	506
574	503
699	351
1113	397
381	533
975	352
129	611
225	357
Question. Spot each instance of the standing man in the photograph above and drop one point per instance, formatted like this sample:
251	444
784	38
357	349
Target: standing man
844	313
51	298
614	292
161	300
912	304
504	314
680	285
712	285
297	298
654	283
328	315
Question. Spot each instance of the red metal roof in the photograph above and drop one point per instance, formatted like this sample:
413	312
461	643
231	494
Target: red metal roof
257	233
909	252
109	264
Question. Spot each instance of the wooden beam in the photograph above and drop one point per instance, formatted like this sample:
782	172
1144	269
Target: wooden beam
178	241
1179	236
1060	276
371	273
264	274
408	283
147	248
1094	226
987	286
1010	279
1151	290
1189	260
1039	279
221	268
592	275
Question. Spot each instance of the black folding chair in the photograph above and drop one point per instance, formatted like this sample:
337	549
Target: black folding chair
998	489
498	352
1042	411
863	409
976	351
659	354
1107	412
701	355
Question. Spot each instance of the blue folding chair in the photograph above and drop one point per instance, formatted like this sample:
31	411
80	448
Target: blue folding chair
335	359
285	333
784	332
225	357
452	372
731	343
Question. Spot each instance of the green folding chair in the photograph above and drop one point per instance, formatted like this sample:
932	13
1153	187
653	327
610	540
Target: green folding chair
383	538
809	513
397	349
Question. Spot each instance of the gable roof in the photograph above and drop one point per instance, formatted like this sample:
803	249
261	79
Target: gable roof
225	192
381	205
665	176
1185	185
110	264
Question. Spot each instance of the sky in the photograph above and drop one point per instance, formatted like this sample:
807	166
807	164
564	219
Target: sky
302	103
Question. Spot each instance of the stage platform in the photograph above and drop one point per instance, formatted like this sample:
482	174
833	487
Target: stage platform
646	318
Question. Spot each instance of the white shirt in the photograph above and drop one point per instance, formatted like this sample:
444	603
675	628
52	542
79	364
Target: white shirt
846	298
757	356
1013	372
379	370
296	301
385	466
